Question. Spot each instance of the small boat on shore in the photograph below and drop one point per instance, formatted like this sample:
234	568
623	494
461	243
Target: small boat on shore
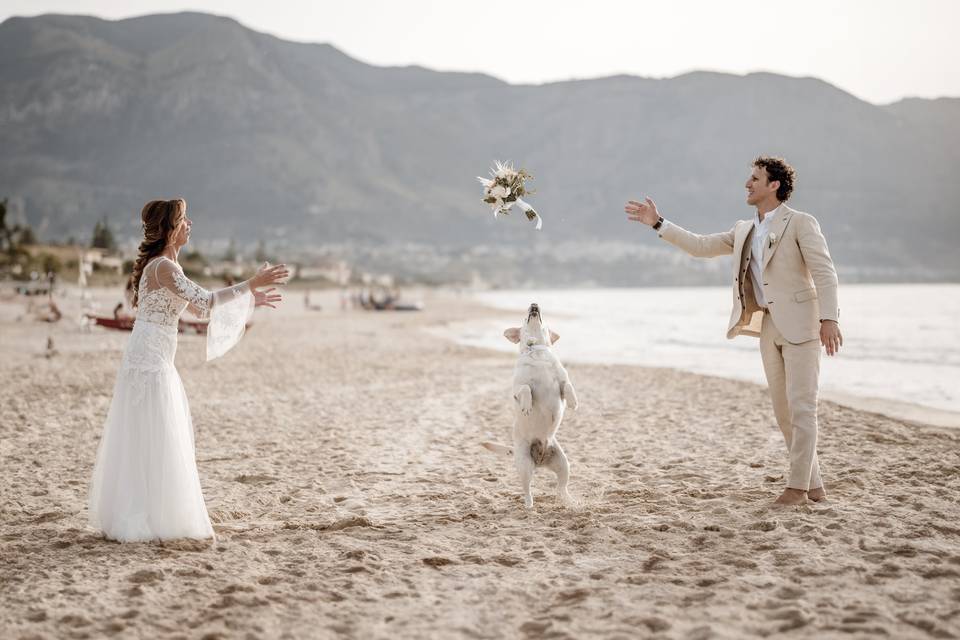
120	323
125	323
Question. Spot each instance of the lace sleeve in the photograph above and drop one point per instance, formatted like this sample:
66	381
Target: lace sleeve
227	309
199	299
231	309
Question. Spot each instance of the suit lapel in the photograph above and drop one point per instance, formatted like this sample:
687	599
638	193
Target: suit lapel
777	227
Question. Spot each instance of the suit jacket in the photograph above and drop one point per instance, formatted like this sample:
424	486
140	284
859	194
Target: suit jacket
799	280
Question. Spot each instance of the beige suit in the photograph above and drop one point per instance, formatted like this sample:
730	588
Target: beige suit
800	287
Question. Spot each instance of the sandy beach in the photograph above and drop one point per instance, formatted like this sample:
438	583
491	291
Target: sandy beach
340	459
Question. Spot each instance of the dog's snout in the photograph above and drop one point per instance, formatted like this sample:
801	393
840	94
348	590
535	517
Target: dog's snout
534	308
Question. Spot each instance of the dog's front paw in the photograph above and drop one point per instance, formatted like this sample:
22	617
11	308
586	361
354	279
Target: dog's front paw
570	396
524	398
528	501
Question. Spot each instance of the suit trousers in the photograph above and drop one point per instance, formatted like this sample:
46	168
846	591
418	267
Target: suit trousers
793	375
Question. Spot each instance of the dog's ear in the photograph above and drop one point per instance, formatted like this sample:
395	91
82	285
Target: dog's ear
554	336
512	334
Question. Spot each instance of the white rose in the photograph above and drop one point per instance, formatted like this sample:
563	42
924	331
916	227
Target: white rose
499	192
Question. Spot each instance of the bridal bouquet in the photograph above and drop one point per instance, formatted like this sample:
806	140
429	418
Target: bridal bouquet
504	188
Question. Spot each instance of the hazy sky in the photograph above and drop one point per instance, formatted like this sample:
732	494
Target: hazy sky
878	50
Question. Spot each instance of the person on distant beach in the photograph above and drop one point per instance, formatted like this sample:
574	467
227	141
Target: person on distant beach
145	483
785	293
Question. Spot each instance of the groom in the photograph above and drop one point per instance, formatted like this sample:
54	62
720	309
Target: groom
785	293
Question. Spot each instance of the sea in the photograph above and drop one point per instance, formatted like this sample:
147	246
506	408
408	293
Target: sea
901	342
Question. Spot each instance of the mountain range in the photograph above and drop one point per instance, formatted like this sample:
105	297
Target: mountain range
302	146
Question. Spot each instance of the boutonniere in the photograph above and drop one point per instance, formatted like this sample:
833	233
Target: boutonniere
771	239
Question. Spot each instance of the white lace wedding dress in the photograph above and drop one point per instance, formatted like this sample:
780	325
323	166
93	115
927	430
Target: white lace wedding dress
145	484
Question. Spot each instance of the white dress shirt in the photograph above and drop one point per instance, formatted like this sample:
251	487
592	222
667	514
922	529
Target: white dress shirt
757	246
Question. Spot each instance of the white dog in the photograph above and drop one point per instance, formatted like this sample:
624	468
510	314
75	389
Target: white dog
541	390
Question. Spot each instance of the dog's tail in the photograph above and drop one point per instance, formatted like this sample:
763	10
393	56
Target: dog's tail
498	448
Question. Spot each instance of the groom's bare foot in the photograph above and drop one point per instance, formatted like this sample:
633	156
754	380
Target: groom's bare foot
791	497
817	494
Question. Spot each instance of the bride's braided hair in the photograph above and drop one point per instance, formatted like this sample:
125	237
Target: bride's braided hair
159	217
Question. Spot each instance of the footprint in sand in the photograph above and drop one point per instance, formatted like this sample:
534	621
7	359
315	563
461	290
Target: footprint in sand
235	588
74	621
765	525
653	563
572	596
654	624
146	576
925	624
790	618
346	523
709	582
50	517
219	517
437	562
186	544
358	568
114	626
534	629
700	633
472	559
789	593
254	479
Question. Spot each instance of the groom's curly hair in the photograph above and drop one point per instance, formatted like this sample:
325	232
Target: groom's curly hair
778	169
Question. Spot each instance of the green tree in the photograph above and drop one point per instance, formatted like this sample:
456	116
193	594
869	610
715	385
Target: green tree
11	252
230	255
103	236
6	234
51	263
195	255
261	255
27	237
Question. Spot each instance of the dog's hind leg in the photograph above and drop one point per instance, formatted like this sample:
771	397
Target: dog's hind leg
559	465
524	397
525	467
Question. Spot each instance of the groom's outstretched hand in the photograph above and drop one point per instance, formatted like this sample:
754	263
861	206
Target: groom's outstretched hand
645	212
830	336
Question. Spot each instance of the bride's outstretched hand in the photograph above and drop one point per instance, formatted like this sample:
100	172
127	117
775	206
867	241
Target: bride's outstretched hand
267	298
645	212
267	275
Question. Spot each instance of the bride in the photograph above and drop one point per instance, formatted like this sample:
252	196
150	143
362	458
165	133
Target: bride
145	484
